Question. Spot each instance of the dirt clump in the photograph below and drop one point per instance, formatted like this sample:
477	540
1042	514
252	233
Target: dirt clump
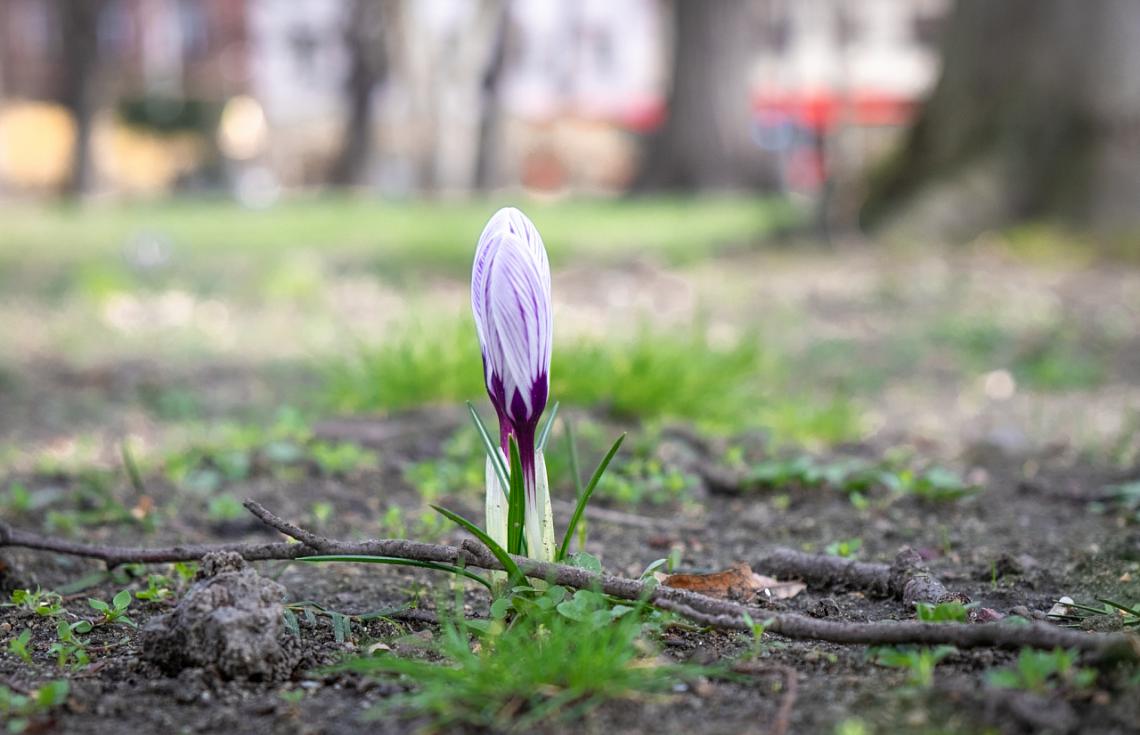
229	623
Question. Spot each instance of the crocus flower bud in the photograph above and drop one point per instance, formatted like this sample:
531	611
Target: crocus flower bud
510	299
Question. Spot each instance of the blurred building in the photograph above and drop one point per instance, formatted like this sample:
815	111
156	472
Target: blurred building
577	83
835	80
165	69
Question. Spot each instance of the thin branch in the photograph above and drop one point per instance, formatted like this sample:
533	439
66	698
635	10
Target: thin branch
699	608
829	571
907	578
114	556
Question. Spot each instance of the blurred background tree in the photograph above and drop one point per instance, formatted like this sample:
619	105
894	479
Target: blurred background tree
1035	115
80	45
706	141
368	65
947	118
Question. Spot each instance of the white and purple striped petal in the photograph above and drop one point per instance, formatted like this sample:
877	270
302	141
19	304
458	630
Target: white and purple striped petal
510	300
513	221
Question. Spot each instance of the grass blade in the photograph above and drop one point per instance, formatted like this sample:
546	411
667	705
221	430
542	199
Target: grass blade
584	498
490	448
516	501
365	559
575	466
545	433
132	468
576	472
500	553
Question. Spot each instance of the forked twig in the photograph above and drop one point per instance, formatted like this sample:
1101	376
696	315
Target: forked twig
697	607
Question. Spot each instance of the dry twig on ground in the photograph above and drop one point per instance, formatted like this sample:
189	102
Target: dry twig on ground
906	578
699	608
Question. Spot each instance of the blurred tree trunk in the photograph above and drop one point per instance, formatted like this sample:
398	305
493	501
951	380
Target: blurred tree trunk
79	36
489	97
368	65
706	142
1036	115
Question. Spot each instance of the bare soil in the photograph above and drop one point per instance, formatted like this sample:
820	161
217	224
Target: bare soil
1031	537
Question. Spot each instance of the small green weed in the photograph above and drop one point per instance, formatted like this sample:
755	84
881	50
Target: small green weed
852	726
159	587
224	507
1043	671
20	711
17	500
847	548
340	459
857	478
461	468
18	646
943	612
116	611
919	663
44	603
69	649
646	480
321	511
92	501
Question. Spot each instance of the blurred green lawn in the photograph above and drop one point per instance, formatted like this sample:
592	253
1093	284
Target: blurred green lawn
40	245
366	301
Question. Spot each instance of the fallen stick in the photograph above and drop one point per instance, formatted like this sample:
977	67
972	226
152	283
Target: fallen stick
906	579
699	608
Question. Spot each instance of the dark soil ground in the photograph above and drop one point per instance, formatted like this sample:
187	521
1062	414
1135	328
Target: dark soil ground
1032	536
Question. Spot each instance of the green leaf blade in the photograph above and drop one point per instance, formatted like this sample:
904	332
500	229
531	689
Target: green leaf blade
489	447
397	561
499	552
584	498
545	433
516	501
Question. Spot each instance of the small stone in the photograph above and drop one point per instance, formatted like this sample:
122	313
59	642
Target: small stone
824	608
985	615
1062	606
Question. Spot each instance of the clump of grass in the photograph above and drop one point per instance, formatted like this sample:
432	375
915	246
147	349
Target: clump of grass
665	375
565	656
393	234
651	376
418	365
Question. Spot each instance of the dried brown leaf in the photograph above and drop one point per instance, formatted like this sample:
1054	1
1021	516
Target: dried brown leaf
738	582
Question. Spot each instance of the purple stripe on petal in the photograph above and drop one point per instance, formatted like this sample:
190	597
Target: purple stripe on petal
519	317
512	221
